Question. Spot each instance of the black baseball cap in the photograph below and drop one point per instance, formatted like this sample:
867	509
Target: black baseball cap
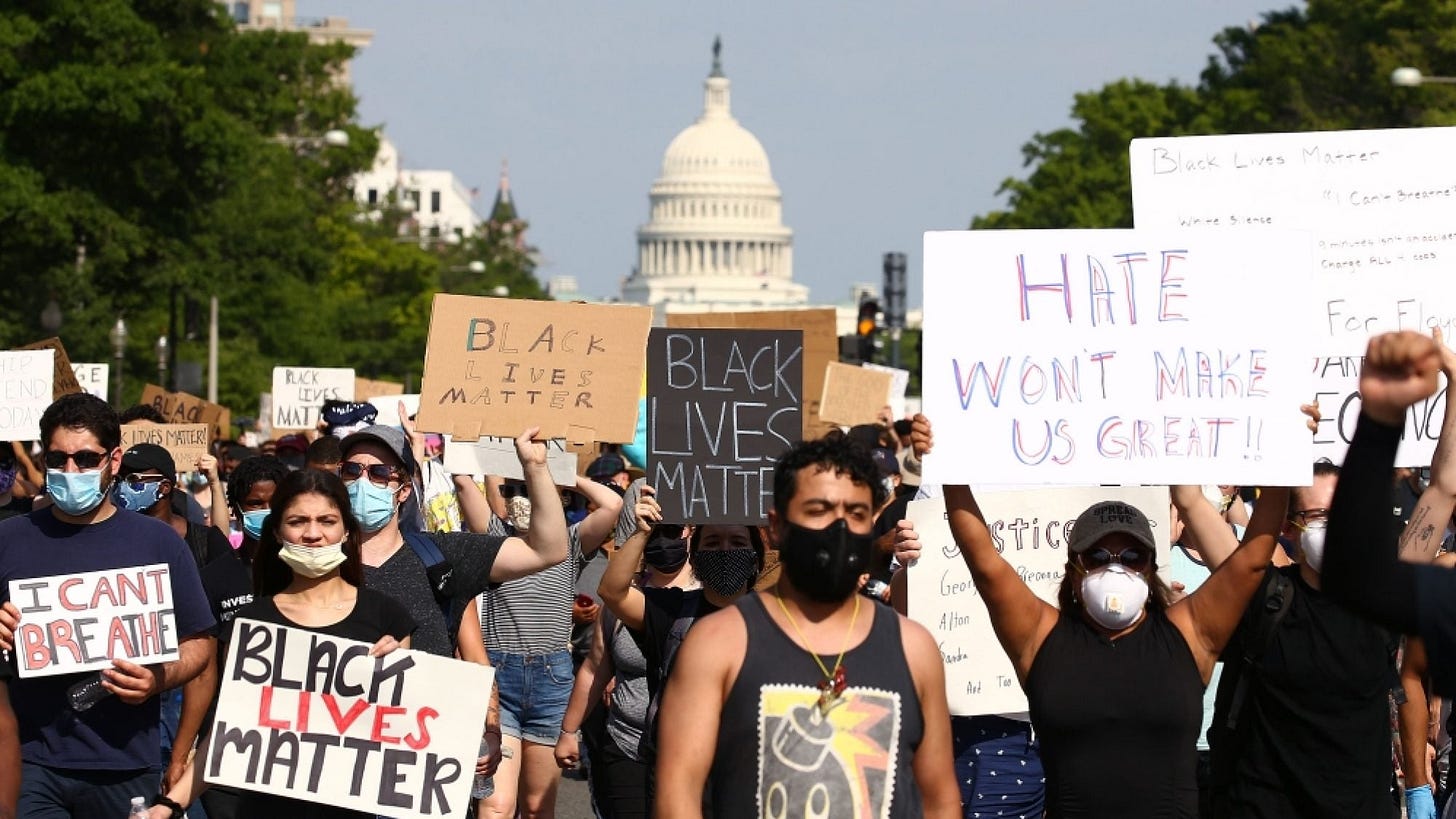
145	457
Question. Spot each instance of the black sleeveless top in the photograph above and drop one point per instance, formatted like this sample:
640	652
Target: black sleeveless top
1118	720
777	756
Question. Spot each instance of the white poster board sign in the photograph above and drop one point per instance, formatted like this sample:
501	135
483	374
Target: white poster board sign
1031	529
497	456
93	378
27	378
1086	357
299	394
394	736
79	622
898	385
1380	212
388	406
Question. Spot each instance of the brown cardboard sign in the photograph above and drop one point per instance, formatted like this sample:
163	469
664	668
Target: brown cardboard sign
65	381
182	408
854	395
821	346
185	442
366	388
499	366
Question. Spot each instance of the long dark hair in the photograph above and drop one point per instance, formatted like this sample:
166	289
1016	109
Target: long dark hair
1070	602
270	574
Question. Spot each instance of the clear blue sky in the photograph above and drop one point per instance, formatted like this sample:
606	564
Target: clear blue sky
881	120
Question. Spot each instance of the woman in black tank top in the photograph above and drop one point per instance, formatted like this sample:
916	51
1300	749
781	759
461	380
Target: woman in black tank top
1115	678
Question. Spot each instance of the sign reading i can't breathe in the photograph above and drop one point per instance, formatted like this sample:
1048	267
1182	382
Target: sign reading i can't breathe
722	406
79	622
314	717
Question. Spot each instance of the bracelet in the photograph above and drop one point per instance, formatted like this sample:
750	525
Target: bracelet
176	809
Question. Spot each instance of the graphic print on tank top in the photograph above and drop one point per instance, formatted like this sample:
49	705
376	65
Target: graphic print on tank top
811	766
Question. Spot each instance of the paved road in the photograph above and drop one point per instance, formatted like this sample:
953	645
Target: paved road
573	799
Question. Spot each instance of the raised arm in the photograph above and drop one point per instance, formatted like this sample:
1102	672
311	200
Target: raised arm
1021	619
1422	536
597	526
474	512
217	503
623	599
545	543
1209	531
1207	617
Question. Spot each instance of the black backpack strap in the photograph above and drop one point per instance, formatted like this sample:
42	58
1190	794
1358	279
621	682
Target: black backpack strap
437	569
1278	594
686	615
197	543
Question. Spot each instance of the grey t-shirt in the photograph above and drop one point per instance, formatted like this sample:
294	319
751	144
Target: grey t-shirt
627	717
403	577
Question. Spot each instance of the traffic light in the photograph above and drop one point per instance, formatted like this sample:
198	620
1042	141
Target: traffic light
867	327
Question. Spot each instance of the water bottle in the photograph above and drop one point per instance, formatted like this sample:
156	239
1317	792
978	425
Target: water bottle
86	693
138	807
484	785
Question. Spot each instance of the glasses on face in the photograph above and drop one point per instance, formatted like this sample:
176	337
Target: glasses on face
85	459
379	474
137	483
1305	517
1134	558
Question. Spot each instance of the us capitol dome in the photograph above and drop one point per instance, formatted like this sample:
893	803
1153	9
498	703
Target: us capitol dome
715	237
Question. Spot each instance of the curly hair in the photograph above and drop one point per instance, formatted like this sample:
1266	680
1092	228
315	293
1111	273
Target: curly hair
81	411
142	412
253	470
836	452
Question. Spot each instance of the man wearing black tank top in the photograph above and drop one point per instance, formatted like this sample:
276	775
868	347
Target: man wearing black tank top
805	699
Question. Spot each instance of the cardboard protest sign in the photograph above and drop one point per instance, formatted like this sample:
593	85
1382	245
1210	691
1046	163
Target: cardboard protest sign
854	395
79	622
299	394
821	346
1084	357
388	406
26	389
498	366
722	406
367	389
899	384
1030	528
182	408
64	381
93	378
497	456
313	717
184	442
1380	219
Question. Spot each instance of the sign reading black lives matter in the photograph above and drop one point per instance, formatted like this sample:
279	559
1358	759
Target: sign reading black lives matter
314	717
722	406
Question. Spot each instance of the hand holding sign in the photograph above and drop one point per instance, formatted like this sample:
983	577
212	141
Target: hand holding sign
9	621
921	438
907	543
1400	369
131	683
416	438
648	511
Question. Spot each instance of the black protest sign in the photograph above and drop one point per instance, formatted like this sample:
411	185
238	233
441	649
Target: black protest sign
722	406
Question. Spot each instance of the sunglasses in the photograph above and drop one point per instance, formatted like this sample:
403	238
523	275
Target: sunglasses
1305	517
379	474
137	483
85	459
1136	559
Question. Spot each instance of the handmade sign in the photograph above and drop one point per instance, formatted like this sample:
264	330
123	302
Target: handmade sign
182	408
388	406
64	382
184	442
366	389
26	387
1030	528
497	456
899	384
93	378
498	366
1115	356
854	395
722	406
300	392
821	346
313	717
1380	219
79	622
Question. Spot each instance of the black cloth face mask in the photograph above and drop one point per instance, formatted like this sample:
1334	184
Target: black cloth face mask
826	564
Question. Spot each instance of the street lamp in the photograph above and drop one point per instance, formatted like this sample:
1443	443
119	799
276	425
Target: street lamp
500	291
161	349
334	138
118	346
1408	77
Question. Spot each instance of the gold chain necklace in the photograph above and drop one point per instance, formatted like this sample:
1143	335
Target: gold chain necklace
833	684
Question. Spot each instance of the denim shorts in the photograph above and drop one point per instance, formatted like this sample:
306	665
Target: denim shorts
534	689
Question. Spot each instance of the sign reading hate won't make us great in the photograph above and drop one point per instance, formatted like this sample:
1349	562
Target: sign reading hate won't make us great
500	366
1083	357
722	406
313	717
79	622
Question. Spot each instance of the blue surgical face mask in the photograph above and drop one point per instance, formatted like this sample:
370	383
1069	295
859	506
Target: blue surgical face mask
253	523
137	500
373	506
74	493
